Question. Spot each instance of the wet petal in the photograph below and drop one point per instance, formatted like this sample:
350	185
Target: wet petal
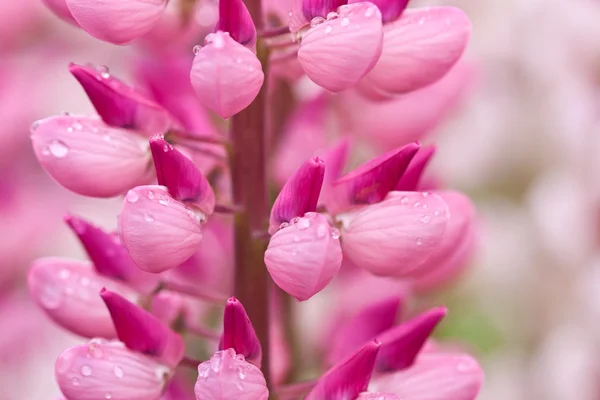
109	370
412	176
235	18
60	9
339	52
303	257
158	231
239	334
117	21
88	157
390	9
226	75
406	229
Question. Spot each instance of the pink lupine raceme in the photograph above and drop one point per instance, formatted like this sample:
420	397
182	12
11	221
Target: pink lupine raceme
117	21
109	370
90	158
59	8
228	376
304	256
338	52
406	228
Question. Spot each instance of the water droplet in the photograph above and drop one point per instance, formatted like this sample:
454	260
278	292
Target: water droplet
106	138
132	196
417	204
215	362
419	241
425	206
86	370
335	233
294	220
150	194
104	71
404	200
332	15
164	202
241	373
238	60
316	21
75	381
345	22
108	395
70	129
85	281
328	29
35	125
303	223
118	372
167	147
436	213
203	370
58	149
322	230
51	297
196	49
94	350
284	225
240	357
148	218
370	12
425	219
64	274
239	385
77	126
425	194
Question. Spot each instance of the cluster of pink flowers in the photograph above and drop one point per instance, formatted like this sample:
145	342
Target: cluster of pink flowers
170	263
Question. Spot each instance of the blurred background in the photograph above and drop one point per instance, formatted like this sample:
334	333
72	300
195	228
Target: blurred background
521	137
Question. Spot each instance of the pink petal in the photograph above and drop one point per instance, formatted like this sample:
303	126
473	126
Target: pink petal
377	396
60	9
109	257
226	75
88	157
335	159
228	376
181	176
119	104
349	378
239	334
337	53
390	9
420	48
303	257
412	176
235	18
299	195
158	231
406	229
67	290
142	331
117	21
320	8
435	376
363	327
109	370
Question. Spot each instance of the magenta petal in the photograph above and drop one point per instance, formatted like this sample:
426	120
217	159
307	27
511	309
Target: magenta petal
181	176
363	327
142	331
235	18
390	9
108	255
406	229
158	231
227	376
337	53
412	176
239	334
420	48
401	344
67	290
119	104
109	370
320	8
303	257
88	157
299	195
226	75
349	378
372	181
377	396
117	21
59	8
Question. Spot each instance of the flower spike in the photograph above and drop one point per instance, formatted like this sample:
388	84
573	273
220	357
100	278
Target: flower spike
235	18
239	334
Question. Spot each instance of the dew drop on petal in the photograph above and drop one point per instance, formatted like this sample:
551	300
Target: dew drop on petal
215	362
322	231
332	15
345	22
203	370
417	204
164	202
328	29
241	373
197	49
86	370
118	371
303	223
132	197
425	219
148	218
51	297
108	395
419	241
370	12
316	21
77	126
335	233
150	194
64	274
404	200
75	381
104	71
58	149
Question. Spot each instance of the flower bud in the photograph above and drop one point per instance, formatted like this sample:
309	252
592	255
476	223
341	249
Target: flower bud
303	257
235	19
239	334
88	157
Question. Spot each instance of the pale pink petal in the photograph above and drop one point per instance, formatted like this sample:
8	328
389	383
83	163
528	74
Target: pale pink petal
394	237
60	9
159	232
303	257
226	75
68	291
337	53
435	376
377	396
90	158
117	21
227	376
420	48
108	370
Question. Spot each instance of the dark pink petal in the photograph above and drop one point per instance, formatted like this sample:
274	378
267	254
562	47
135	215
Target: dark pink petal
109	256
303	257
390	9
401	344
349	378
320	8
420	48
434	376
239	334
411	178
227	376
337	53
299	195
109	370
158	231
142	331
60	9
363	327
181	176
371	182
117	21
226	75
119	104
90	158
377	396
67	290
406	229
235	18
